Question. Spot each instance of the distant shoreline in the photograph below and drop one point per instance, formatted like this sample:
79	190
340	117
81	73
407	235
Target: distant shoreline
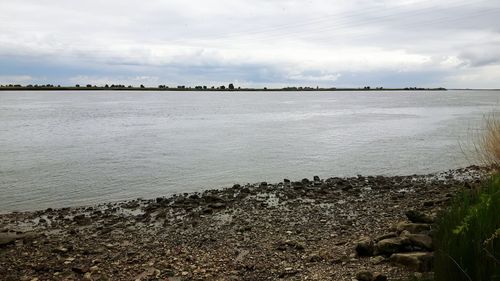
201	89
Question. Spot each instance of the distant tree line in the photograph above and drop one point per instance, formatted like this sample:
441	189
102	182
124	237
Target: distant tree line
229	87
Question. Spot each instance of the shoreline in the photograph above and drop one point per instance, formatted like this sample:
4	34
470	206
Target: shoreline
194	89
291	230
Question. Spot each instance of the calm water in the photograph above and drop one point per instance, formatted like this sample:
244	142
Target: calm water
76	148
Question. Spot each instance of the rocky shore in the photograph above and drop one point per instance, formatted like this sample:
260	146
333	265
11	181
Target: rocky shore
363	228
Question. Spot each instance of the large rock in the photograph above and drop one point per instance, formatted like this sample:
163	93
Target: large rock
422	241
365	247
414	228
419	217
391	245
417	261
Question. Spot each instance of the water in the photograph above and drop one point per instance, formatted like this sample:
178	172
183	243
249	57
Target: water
78	148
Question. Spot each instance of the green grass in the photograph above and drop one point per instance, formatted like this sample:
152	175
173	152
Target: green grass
467	238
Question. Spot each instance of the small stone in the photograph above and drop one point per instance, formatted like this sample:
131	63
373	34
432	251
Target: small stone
377	260
364	276
80	269
377	276
87	276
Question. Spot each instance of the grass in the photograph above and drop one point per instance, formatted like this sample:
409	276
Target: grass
467	238
486	144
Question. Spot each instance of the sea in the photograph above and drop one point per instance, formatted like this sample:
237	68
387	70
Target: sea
77	148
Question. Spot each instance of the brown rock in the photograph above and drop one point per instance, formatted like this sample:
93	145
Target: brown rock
391	245
379	277
413	227
417	261
364	276
419	217
365	247
420	240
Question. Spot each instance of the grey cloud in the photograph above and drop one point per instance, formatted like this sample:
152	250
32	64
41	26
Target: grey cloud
280	42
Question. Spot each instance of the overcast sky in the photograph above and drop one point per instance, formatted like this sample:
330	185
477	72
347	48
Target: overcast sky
252	43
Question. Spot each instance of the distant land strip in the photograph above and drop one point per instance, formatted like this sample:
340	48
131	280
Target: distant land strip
229	88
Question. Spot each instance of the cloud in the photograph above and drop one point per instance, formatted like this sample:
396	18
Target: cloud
281	42
15	79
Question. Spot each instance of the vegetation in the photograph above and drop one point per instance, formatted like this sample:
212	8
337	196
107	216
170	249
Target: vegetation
468	234
230	87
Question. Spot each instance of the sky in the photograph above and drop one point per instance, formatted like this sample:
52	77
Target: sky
257	43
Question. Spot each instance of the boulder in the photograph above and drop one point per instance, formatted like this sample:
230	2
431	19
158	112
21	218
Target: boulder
419	217
414	228
391	245
419	240
417	261
365	247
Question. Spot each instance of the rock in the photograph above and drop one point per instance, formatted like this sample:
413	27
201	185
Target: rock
7	238
241	255
364	275
317	181
413	227
289	244
419	217
377	260
87	276
60	250
385	236
429	203
419	240
305	181
218	205
236	186
315	258
423	276
80	269
391	245
365	247
417	261
379	277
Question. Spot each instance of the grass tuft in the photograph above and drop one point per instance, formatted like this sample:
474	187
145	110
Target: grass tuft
487	144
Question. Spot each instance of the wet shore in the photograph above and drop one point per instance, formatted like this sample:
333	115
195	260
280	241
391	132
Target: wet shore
294	230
